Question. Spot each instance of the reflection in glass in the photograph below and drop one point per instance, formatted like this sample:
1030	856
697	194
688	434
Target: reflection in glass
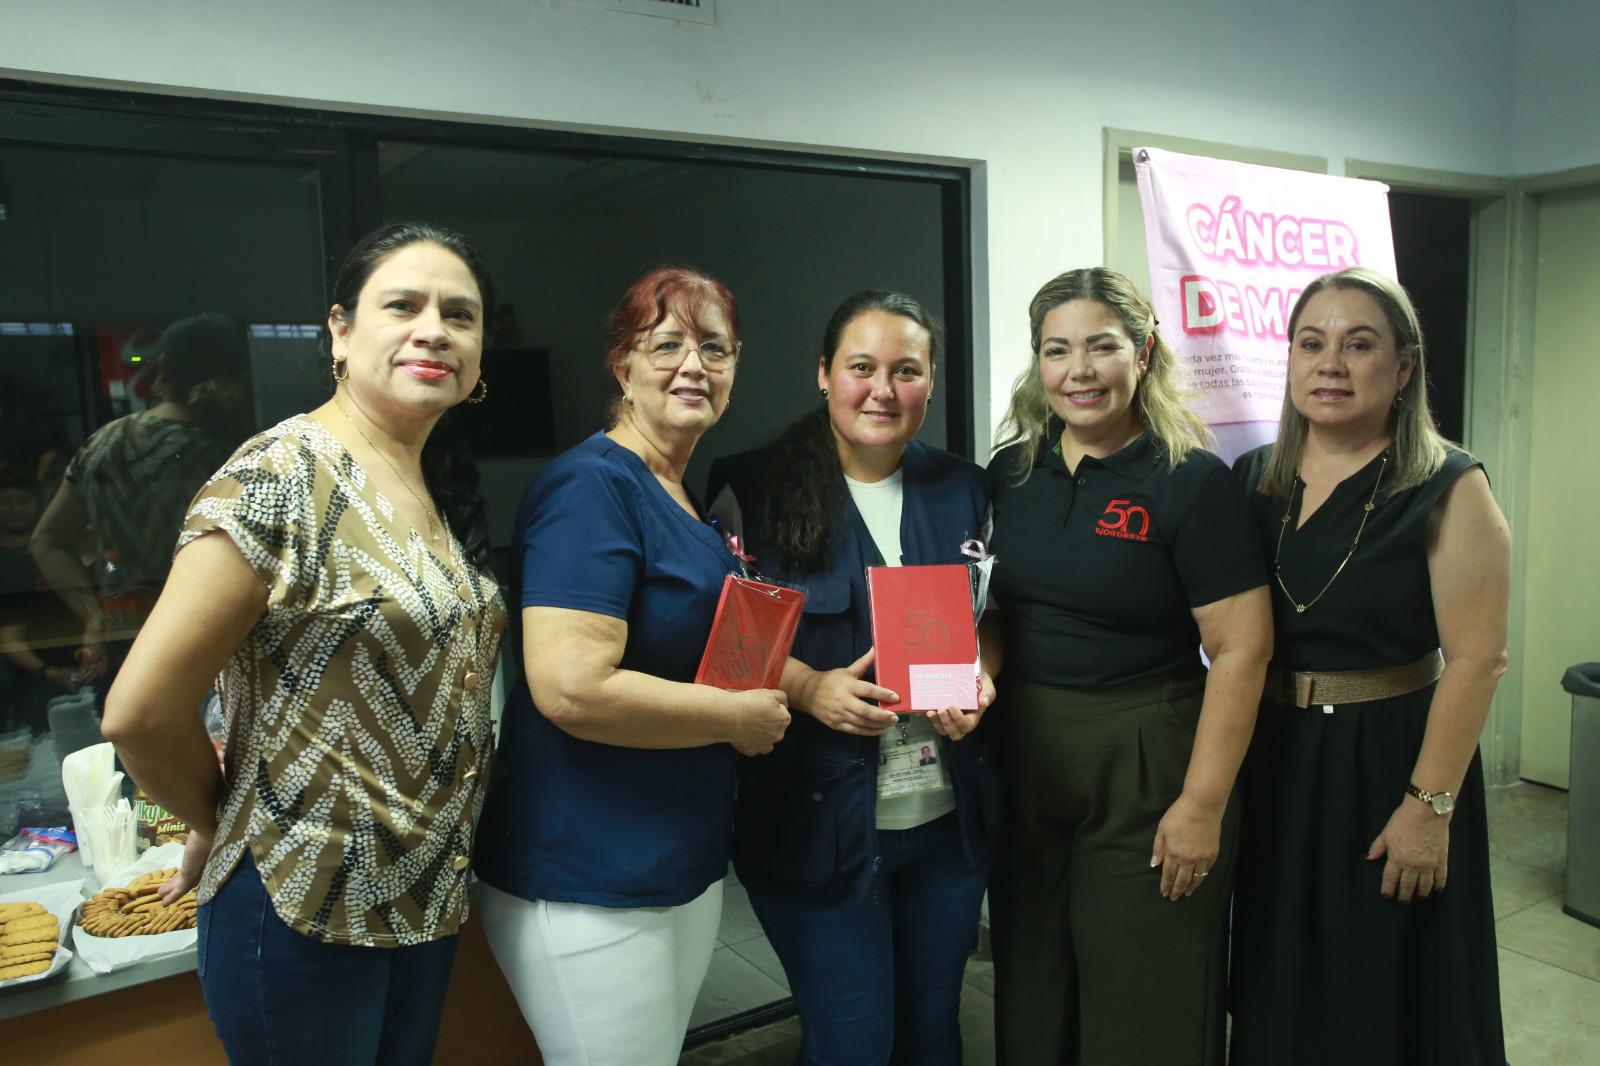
125	492
129	370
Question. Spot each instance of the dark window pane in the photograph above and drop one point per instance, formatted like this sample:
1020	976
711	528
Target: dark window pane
567	234
154	311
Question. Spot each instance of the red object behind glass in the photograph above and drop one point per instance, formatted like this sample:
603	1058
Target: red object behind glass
751	635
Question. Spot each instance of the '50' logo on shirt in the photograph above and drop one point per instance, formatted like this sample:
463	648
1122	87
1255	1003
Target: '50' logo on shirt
1124	519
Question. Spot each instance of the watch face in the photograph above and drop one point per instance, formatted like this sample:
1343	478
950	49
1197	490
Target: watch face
1443	803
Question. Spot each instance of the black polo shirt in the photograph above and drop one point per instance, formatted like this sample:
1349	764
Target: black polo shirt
1097	569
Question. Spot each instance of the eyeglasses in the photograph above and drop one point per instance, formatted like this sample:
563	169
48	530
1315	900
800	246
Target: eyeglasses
667	351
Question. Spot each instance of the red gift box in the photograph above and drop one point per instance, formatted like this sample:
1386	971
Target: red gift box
751	635
927	641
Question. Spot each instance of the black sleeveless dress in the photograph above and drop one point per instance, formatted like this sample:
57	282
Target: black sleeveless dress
1325	970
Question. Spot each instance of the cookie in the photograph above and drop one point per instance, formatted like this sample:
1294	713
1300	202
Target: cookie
27	956
114	926
27	969
42	935
52	935
170	921
12	911
32	921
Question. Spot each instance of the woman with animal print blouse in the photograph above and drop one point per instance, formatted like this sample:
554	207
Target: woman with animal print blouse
348	609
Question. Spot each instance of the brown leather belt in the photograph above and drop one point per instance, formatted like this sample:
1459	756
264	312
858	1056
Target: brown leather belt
1314	688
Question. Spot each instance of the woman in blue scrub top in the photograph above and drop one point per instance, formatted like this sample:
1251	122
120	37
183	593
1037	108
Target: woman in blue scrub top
605	836
868	884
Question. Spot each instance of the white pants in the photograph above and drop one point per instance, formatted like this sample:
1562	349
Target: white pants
603	986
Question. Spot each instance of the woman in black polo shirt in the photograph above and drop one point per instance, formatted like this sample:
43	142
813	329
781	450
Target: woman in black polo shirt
1123	548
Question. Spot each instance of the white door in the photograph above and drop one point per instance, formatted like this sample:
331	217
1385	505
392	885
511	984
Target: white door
1562	531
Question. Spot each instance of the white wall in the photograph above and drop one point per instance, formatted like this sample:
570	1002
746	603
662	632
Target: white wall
1555	121
1023	86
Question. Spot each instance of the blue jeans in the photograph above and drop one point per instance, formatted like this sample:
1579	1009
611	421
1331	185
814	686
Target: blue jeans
278	996
879	982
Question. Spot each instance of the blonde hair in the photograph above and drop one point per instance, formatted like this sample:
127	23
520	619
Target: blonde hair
1158	401
1419	449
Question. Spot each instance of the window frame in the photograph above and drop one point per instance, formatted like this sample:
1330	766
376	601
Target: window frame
343	147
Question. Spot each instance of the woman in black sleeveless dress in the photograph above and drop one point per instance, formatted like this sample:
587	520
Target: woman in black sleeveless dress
1363	926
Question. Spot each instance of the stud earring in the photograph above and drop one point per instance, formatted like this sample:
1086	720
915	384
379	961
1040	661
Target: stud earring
823	393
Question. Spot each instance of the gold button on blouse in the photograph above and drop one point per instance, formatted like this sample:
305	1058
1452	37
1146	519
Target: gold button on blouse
464	590
460	862
470	774
470	682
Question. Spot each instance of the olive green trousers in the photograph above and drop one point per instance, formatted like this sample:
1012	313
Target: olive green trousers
1093	967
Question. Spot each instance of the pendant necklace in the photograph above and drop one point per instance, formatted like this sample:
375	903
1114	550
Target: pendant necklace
433	535
433	525
1277	569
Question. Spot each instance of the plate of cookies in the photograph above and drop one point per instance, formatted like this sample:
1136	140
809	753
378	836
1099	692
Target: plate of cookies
33	923
126	922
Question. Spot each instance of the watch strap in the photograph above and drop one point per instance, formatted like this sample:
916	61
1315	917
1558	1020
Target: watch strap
1428	798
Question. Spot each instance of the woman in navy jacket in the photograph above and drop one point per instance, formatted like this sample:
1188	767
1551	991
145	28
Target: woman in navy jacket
869	894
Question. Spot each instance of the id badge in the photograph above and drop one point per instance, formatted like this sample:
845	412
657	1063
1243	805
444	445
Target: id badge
907	768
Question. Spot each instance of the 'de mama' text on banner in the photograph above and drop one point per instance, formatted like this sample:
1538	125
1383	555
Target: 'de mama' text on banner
1231	248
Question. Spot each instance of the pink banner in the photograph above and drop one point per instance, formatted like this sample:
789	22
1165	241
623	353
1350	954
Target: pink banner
1231	248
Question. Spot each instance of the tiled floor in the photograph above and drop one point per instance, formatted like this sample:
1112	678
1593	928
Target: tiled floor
745	972
1549	963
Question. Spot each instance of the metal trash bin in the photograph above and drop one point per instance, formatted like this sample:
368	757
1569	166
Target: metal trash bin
1583	795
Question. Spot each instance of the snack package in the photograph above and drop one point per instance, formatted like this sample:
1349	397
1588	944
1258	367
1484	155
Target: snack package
34	850
157	825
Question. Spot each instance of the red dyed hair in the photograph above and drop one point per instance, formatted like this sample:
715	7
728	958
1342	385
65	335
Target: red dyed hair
680	291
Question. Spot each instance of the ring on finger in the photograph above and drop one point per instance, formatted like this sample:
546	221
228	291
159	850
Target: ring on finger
1201	873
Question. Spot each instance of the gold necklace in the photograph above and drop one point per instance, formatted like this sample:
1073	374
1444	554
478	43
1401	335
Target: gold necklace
1301	608
433	525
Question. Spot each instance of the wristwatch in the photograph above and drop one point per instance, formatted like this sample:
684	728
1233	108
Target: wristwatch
1441	802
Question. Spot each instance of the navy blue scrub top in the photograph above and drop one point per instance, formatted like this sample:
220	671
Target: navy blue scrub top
577	821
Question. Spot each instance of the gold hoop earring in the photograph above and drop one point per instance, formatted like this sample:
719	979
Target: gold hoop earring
480	392
341	370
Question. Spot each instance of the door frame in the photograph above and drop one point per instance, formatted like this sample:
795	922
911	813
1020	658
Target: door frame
1524	195
1498	393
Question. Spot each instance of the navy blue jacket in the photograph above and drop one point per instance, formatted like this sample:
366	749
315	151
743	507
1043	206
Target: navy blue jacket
804	818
